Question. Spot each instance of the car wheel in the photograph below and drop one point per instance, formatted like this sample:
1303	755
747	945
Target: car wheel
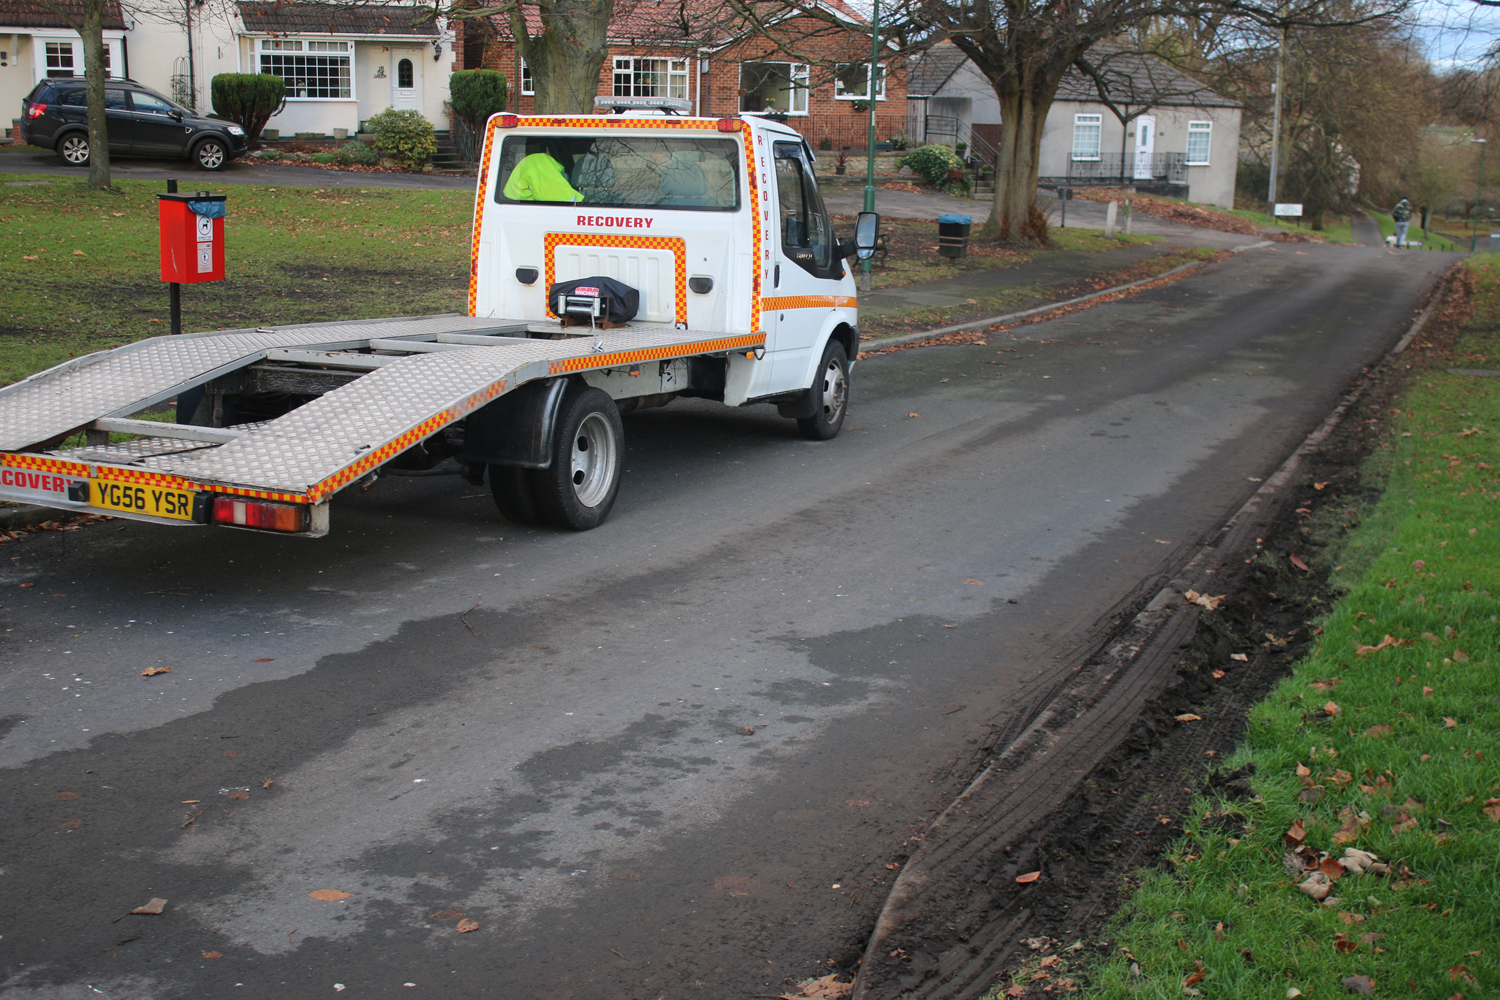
830	390
211	154
74	149
515	494
587	457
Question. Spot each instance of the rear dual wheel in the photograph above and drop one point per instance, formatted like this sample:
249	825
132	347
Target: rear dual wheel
578	490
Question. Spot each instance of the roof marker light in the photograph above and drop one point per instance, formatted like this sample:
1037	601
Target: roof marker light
728	124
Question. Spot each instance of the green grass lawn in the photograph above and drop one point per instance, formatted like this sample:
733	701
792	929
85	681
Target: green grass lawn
80	269
1386	738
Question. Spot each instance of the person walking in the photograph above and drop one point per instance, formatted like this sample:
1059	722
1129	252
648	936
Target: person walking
1402	216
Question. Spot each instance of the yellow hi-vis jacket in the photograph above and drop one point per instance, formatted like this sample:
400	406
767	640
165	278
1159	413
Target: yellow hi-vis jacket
539	177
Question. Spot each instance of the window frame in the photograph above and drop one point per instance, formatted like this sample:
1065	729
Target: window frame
838	82
799	75
633	71
528	82
304	47
1094	123
1204	128
114	41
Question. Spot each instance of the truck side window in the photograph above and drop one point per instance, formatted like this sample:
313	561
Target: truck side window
806	236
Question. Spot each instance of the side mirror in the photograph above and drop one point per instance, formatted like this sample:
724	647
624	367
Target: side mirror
866	233
175	114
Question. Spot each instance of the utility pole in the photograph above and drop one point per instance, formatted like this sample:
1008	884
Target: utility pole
868	263
1276	133
1478	197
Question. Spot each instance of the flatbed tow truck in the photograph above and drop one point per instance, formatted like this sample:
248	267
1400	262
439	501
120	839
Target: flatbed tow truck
713	229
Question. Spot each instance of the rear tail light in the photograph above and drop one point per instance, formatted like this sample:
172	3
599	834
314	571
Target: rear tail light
260	514
728	124
36	111
509	121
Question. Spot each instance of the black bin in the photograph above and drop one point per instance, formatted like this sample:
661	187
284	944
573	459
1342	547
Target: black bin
953	235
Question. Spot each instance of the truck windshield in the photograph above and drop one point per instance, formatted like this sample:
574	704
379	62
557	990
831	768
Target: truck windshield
621	171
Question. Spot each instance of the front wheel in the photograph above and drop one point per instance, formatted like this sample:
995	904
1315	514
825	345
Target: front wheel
211	154
74	149
588	453
830	392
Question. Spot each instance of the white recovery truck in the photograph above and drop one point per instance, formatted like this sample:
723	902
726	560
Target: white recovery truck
717	227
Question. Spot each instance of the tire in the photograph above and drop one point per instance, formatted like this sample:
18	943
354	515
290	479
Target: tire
588	455
211	154
515	494
830	389
74	149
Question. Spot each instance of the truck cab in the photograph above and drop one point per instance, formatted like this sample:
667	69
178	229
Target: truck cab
717	223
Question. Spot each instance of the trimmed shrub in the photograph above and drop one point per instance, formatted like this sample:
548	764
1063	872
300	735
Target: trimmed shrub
475	94
248	99
352	154
404	136
939	166
322	157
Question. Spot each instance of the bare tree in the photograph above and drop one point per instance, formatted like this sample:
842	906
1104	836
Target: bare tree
87	18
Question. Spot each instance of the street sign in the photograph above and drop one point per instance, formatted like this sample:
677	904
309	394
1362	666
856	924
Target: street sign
1289	209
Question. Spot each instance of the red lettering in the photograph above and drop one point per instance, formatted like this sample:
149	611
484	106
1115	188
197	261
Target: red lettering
33	477
583	220
647	221
5	479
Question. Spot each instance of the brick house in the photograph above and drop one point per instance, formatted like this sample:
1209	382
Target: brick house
818	74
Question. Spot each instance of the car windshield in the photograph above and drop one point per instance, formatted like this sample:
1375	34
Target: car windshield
621	171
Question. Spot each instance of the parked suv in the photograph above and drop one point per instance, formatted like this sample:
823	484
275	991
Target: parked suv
141	122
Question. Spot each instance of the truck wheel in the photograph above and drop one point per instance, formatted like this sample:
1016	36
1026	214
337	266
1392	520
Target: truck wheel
830	389
587	456
515	494
74	149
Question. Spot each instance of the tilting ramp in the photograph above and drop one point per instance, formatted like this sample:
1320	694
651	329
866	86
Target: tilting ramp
139	375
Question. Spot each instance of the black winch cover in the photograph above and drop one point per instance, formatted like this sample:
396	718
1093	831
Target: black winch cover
621	302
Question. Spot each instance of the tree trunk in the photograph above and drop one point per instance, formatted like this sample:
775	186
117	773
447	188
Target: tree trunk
92	33
565	58
1022	117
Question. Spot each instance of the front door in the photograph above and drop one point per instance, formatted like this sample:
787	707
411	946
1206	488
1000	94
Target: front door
406	79
805	272
156	130
1145	143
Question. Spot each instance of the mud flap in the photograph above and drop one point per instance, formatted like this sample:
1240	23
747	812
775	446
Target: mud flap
515	429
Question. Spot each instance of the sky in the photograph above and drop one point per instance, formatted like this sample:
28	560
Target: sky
1456	32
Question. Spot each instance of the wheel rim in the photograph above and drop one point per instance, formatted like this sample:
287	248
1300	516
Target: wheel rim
75	149
835	390
210	155
595	456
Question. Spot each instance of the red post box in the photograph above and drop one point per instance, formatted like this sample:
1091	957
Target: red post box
192	237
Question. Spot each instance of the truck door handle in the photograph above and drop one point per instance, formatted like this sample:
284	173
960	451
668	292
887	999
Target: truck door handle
776	278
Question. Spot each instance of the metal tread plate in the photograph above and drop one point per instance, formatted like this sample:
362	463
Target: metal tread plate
322	446
126	379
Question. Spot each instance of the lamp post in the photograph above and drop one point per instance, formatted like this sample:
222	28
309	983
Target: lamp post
868	263
1276	134
1478	196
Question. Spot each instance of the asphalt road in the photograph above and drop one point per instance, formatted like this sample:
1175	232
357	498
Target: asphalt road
447	717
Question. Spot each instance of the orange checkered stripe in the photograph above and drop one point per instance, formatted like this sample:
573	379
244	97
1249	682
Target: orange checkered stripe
480	197
614	121
756	230
141	477
37	463
593	362
391	449
673	243
809	302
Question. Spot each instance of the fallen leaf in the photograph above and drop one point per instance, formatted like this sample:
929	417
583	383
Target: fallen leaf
1461	972
1352	823
1016	990
1189	717
1350	919
1492	809
1240	657
1359	984
70	824
1341	777
1378	731
79	253
1427	692
1203	600
153	671
152	908
746	731
235	793
466	925
1449	722
1303	770
1344	947
1029	877
1296	561
1218	675
1317	886
1385	643
329	895
1331	868
212	955
25	585
1459	656
1331	709
264	659
914	414
1193	977
1295	834
977	583
29	256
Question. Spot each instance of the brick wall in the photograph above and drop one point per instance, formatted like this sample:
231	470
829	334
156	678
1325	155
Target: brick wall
719	90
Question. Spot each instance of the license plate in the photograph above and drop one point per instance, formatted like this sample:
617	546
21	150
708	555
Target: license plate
130	498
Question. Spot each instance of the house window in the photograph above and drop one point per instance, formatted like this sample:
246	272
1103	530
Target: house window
851	81
313	70
1086	131
650	77
768	86
528	85
1197	143
60	59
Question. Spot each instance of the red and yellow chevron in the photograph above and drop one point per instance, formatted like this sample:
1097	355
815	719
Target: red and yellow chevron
672	243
